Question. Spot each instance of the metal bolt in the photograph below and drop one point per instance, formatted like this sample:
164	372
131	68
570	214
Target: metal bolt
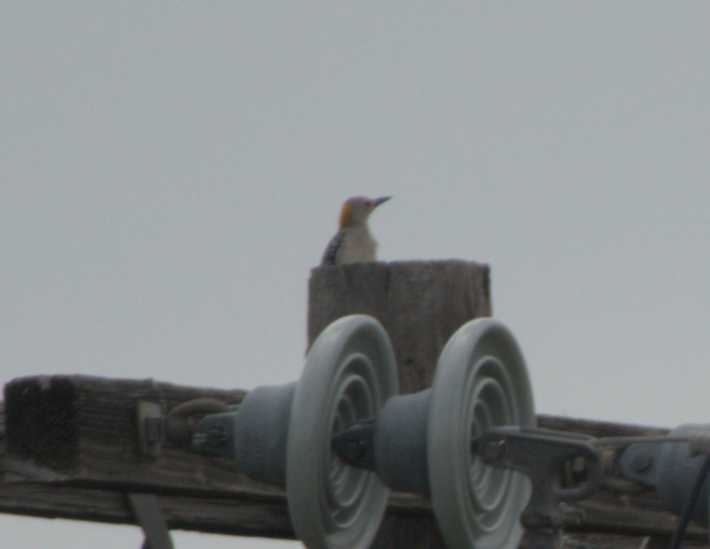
492	450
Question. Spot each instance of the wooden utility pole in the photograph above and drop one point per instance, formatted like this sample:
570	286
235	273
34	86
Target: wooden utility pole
69	445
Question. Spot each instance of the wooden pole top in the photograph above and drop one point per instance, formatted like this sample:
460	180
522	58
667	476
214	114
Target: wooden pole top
420	304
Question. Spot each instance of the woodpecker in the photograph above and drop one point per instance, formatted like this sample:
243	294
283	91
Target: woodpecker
353	242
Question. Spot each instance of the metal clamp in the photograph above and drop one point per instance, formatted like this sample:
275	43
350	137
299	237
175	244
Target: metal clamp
177	427
151	428
541	455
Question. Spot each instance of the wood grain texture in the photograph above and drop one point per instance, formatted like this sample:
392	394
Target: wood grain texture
84	427
242	517
420	304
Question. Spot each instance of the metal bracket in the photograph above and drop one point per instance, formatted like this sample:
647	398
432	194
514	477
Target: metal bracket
670	464
155	429
146	508
541	455
151	427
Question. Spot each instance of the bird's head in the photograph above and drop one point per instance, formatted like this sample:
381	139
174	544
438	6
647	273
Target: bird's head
357	209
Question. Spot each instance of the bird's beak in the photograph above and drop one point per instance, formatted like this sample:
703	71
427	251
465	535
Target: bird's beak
381	200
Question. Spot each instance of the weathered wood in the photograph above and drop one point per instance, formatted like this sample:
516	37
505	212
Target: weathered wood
242	517
596	428
98	462
593	541
68	427
81	430
419	303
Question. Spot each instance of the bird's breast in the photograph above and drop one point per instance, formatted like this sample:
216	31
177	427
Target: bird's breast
358	247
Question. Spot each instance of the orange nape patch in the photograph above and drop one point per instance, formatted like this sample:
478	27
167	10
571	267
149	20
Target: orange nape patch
345	213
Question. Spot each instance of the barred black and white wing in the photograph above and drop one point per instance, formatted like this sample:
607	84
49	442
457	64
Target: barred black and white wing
330	255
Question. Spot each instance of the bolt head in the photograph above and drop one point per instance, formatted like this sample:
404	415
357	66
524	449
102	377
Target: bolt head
492	450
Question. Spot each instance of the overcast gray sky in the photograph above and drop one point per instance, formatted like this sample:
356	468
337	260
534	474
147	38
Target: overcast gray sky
171	171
